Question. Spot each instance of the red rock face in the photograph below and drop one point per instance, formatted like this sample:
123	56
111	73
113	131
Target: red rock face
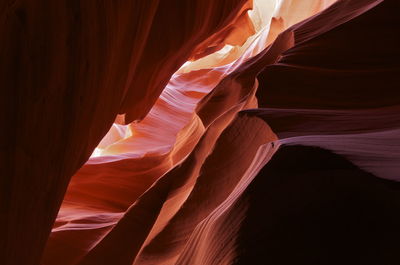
245	132
68	67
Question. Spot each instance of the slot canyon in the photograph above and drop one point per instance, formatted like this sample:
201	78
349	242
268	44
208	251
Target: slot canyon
200	132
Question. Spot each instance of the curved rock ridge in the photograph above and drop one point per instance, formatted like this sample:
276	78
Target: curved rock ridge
367	137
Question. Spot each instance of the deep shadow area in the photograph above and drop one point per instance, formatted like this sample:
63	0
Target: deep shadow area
310	206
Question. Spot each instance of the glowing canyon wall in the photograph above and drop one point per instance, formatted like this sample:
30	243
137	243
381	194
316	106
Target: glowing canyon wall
200	132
